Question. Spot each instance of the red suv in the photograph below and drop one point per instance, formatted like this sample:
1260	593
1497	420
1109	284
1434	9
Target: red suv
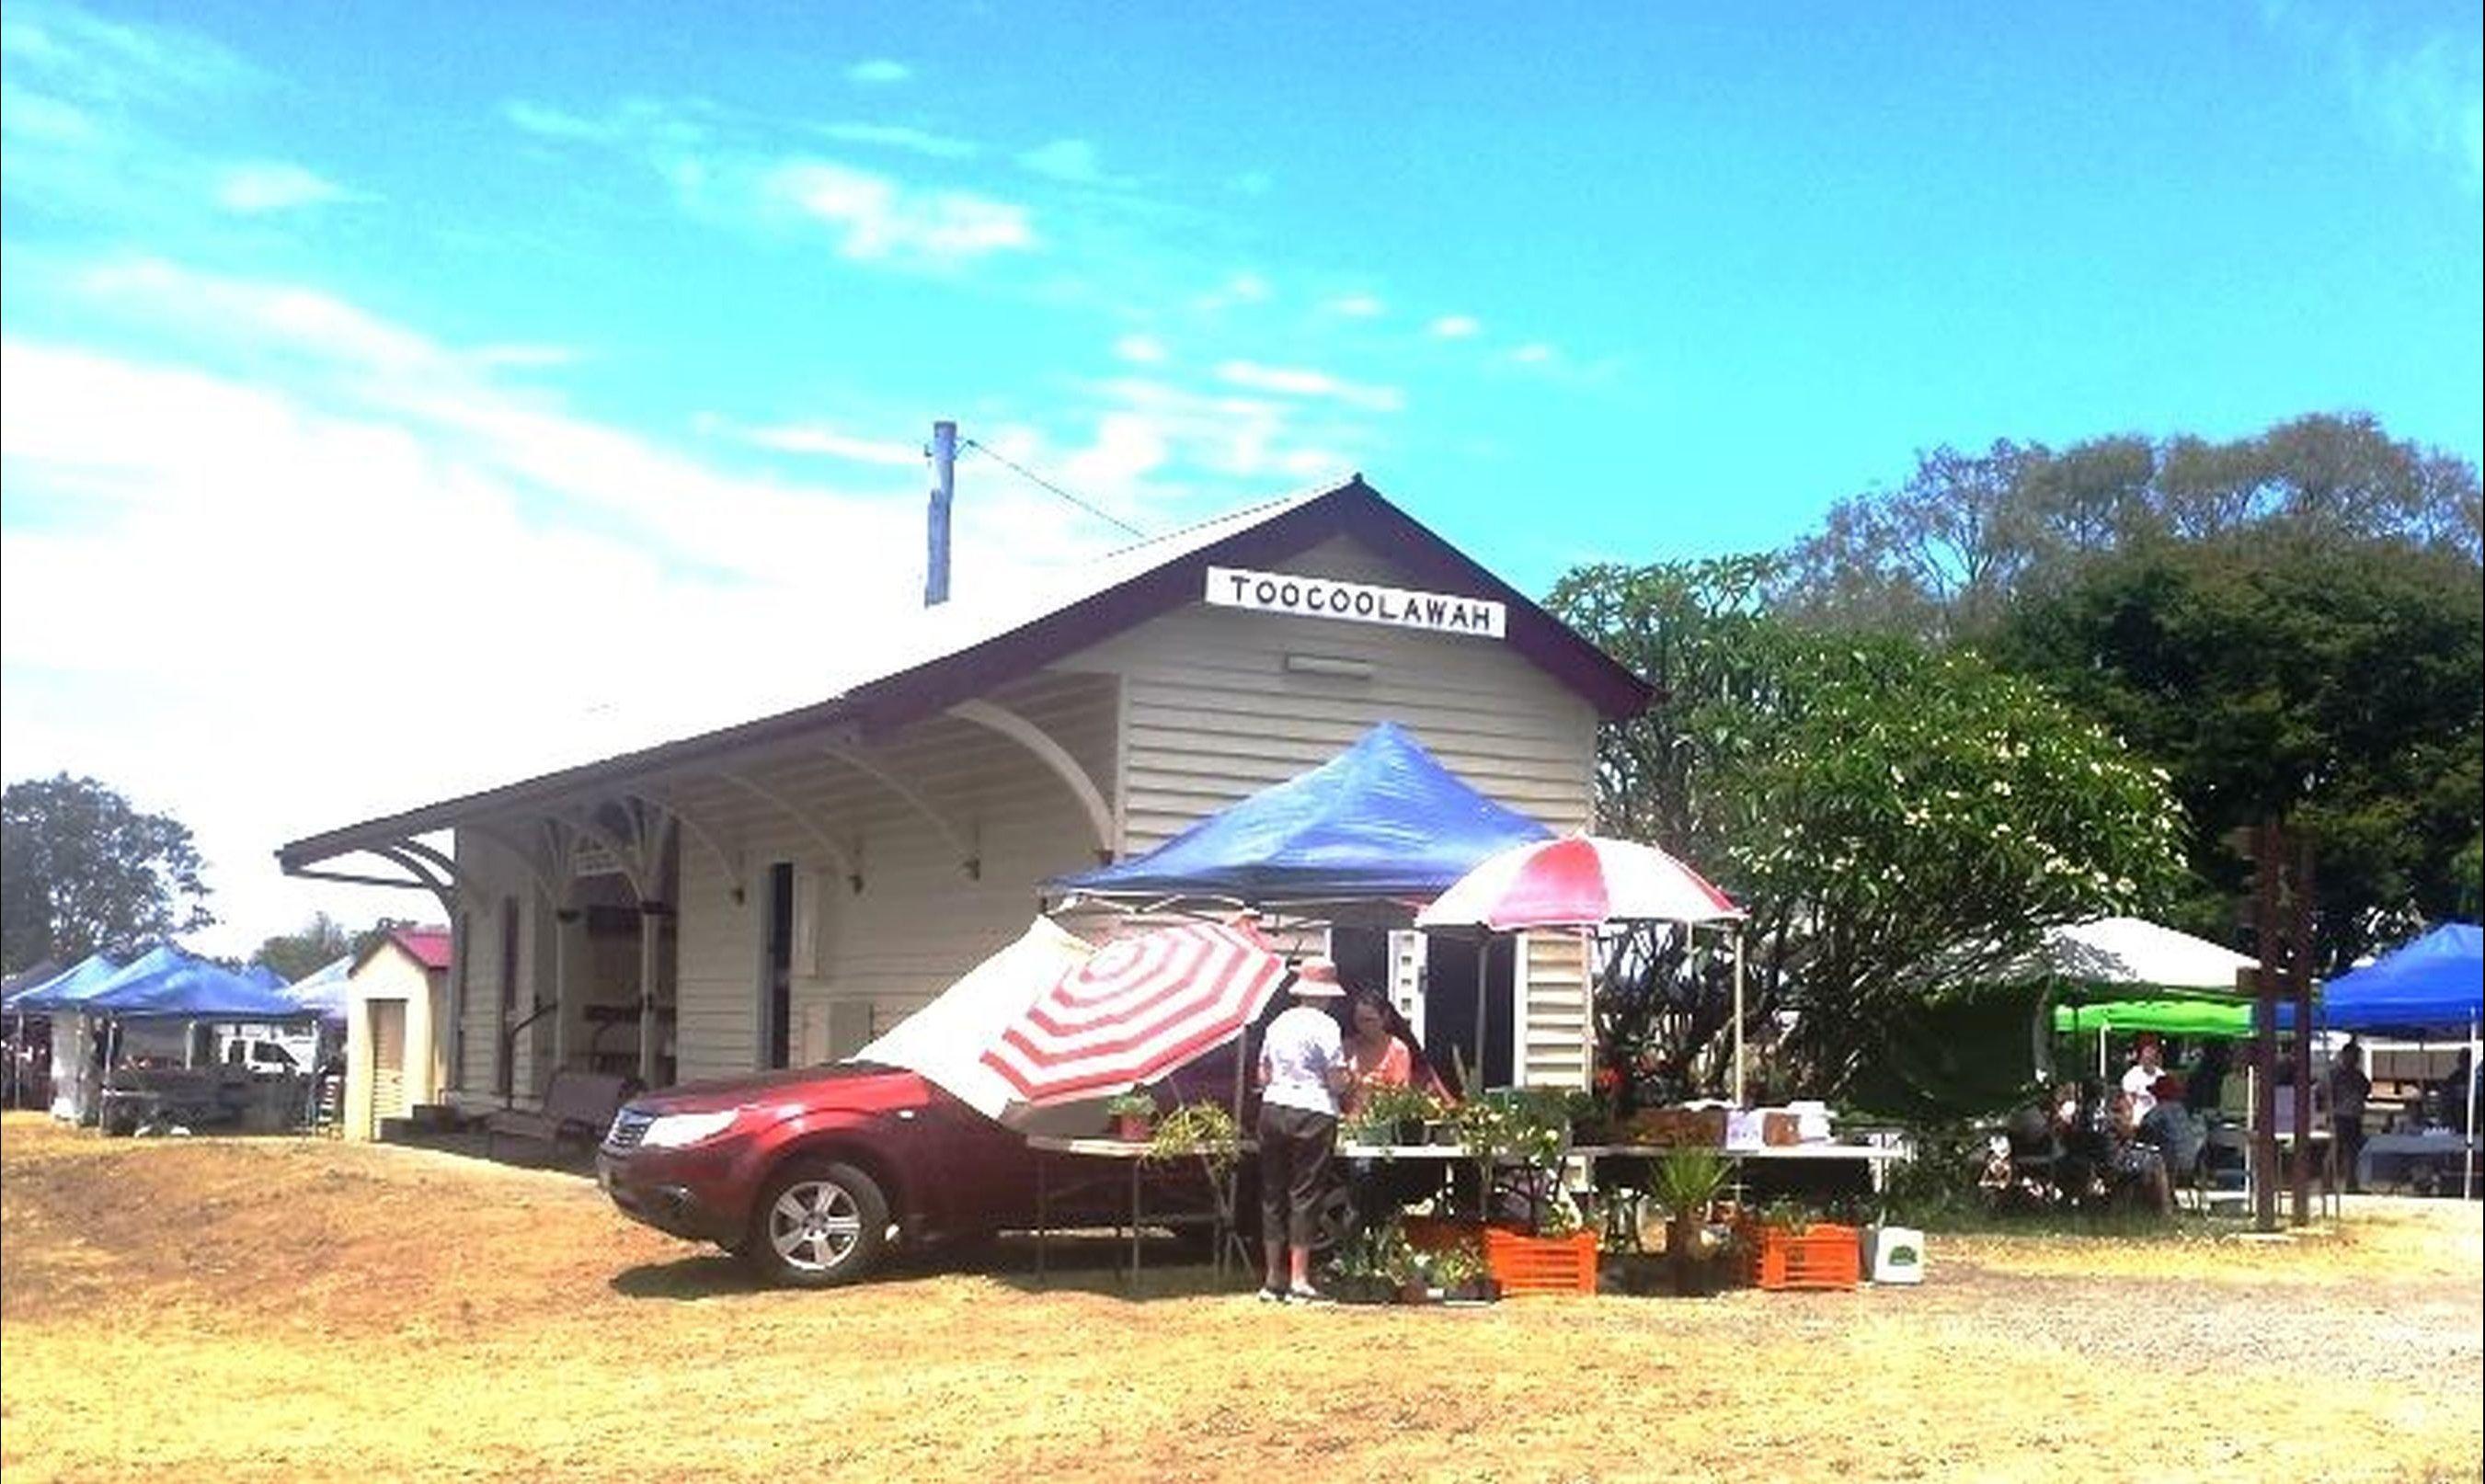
812	1174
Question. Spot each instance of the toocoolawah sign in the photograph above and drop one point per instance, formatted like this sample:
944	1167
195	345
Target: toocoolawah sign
1403	607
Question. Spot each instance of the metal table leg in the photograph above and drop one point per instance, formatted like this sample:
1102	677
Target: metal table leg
1043	1212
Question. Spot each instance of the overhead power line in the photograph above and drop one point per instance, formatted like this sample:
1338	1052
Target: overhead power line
1041	482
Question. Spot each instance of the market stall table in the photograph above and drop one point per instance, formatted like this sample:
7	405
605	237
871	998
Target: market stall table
2432	1151
1131	1155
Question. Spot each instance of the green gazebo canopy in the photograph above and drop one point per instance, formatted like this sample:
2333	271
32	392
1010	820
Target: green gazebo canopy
2166	1018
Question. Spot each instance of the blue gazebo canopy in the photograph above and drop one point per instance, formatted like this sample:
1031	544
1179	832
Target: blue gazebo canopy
2434	985
81	978
1382	821
190	988
91	978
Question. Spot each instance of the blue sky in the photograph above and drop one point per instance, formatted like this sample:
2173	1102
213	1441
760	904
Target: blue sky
365	355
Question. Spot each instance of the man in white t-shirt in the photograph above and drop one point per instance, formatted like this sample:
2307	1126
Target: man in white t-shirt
1302	1068
2141	1081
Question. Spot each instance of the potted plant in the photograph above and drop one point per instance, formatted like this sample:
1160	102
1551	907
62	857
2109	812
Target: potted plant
1133	1113
1204	1131
1397	1114
1683	1183
1411	1271
1362	1272
1459	1270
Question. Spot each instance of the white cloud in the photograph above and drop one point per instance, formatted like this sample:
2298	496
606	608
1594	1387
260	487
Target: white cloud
895	136
1250	441
274	185
1140	349
1456	327
1070	160
1128	448
1533	353
878	217
1242	288
2421	93
524	357
1293	381
271	558
115	64
879	72
1357	306
818	439
555	123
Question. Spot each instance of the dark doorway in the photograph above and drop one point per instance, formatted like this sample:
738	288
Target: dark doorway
1450	996
1362	957
776	970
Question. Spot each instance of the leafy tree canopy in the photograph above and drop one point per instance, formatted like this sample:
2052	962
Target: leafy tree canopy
1901	824
81	870
319	942
1947	552
2336	682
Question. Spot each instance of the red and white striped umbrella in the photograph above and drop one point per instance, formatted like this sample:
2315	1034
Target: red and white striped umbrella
1577	882
1137	1010
1586	882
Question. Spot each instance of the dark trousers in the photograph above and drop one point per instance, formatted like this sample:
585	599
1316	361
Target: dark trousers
2346	1142
1295	1148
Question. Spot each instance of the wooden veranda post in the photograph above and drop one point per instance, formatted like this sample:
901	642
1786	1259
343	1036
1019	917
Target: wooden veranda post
2265	857
2298	860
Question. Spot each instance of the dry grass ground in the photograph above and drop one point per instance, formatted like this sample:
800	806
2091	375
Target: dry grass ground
288	1310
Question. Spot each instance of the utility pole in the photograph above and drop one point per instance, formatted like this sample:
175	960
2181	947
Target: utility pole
936	526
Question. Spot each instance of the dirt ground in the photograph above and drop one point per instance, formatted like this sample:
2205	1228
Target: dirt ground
306	1309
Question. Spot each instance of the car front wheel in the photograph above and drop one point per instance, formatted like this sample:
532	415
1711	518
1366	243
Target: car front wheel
818	1226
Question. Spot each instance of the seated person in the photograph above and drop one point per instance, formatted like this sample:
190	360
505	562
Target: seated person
2205	1089
2173	1130
2133	1169
2079	1126
2031	1154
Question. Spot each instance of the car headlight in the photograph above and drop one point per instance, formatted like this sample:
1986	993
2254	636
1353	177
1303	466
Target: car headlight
675	1130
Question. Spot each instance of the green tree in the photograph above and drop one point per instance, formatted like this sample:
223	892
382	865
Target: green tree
319	942
81	872
1901	824
2337	680
1950	552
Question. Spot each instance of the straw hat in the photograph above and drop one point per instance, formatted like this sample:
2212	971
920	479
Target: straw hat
1317	979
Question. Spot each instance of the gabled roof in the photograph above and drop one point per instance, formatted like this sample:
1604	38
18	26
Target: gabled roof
963	650
428	947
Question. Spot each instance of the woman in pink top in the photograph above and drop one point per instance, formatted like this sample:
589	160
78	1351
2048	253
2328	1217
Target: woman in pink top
1375	1056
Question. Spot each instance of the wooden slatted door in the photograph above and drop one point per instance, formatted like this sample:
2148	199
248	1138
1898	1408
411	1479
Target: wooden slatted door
387	1060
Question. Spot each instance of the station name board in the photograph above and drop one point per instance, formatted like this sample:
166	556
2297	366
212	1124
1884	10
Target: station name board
1363	602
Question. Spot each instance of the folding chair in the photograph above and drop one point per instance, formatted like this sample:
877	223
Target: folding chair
2223	1174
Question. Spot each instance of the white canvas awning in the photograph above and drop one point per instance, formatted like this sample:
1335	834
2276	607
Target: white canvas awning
2134	953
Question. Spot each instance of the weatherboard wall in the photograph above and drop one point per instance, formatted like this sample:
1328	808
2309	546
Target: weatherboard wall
863	958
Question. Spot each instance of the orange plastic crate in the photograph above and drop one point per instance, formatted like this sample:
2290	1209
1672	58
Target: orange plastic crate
1820	1256
1526	1265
